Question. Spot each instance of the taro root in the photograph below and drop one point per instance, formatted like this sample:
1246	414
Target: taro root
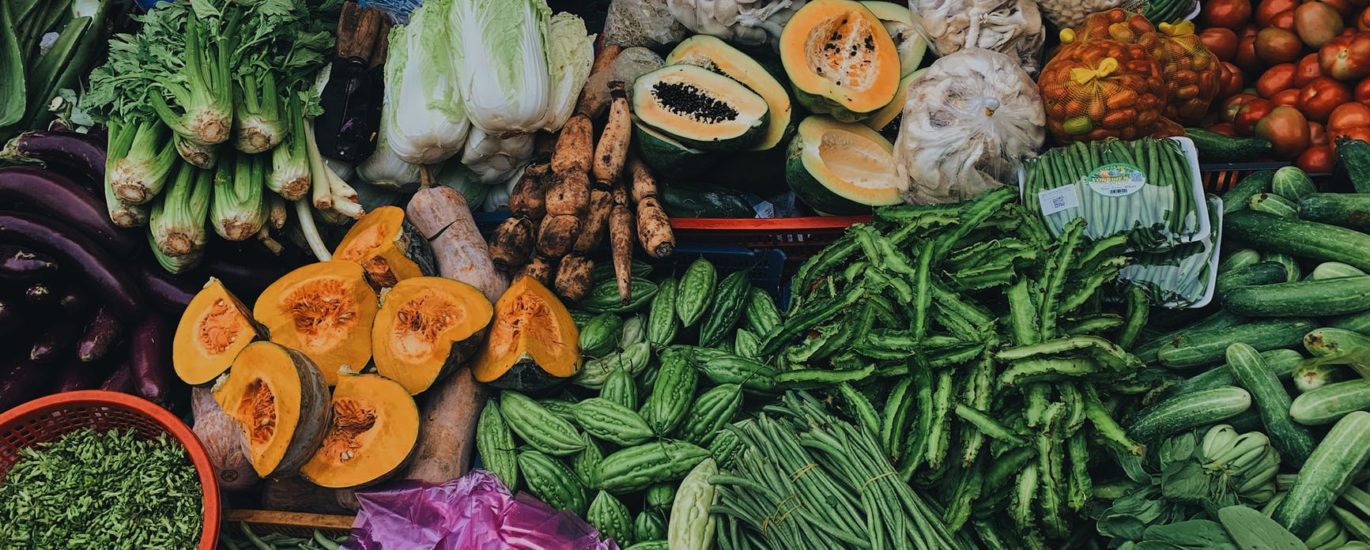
375	427
325	311
213	329
281	404
388	247
533	342
426	327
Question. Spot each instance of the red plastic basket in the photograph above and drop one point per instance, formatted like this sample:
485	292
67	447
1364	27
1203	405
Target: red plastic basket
48	418
799	238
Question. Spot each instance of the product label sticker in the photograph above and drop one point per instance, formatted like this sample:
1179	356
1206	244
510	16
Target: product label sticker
1058	199
764	209
1116	180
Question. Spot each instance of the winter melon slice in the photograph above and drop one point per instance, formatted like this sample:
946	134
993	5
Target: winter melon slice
841	168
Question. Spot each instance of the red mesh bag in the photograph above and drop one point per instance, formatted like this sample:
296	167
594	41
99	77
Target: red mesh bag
1104	88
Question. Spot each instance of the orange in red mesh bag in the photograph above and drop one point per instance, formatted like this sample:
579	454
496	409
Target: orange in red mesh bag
1104	88
1193	75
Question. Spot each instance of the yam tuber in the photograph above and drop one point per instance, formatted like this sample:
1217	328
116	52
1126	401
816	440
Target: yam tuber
540	268
557	235
612	149
605	54
448	429
528	198
653	226
621	243
597	220
441	216
224	442
512	243
568	194
575	146
574	277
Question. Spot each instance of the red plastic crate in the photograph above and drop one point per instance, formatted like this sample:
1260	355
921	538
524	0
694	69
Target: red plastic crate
798	238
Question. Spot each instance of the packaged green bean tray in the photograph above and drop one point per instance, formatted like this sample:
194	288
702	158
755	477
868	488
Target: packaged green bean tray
1185	275
1147	189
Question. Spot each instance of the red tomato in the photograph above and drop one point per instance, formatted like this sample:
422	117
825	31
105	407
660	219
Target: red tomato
1251	113
1362	91
1246	56
1361	133
1307	69
1231	80
1234	105
1363	20
1347	116
1321	96
1224	128
1266	10
1283	20
1275	45
1275	79
1317	159
1344	8
1287	130
1317	133
1317	23
1221	41
1288	98
1346	57
1230	14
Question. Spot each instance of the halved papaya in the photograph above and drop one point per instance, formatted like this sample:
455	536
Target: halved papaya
281	402
841	168
840	59
213	329
374	430
324	310
716	55
886	120
533	343
898	21
427	326
387	246
700	108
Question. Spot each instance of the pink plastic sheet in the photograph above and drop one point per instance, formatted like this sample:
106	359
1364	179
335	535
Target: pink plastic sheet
475	512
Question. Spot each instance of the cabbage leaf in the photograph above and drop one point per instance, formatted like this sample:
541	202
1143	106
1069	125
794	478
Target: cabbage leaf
426	122
502	63
570	52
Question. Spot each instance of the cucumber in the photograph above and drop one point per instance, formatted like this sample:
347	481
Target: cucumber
1355	157
1282	362
1342	209
1336	460
704	201
1329	403
1202	347
1292	183
1147	350
1292	270
1312	298
1294	442
1334	270
1239	195
1238	259
1273	204
1356	322
1215	147
1188	411
1300	238
1260	273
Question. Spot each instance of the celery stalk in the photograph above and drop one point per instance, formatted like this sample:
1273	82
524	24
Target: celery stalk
238	210
140	174
174	264
178	217
197	155
205	93
258	117
120	140
290	161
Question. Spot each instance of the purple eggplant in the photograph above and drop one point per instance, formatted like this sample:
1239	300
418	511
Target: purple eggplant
21	264
58	196
69	247
351	101
40	294
76	152
121	380
22	381
76	376
168	293
73	301
148	348
57	342
10	316
101	335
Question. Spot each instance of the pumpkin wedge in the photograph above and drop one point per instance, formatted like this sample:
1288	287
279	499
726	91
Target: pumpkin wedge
840	59
387	246
281	403
375	427
533	343
213	329
325	311
426	327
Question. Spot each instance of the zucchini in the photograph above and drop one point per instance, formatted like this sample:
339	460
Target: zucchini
1329	403
1292	183
1202	347
1343	209
1273	204
1355	158
1312	298
1300	238
1334	270
1294	442
1188	411
1239	195
1215	147
1336	460
1260	273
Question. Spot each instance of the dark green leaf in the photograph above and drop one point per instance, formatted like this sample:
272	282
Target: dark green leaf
1253	531
12	92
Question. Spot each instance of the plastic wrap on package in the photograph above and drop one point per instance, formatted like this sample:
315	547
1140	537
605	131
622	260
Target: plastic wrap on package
1013	27
968	121
645	23
474	512
742	22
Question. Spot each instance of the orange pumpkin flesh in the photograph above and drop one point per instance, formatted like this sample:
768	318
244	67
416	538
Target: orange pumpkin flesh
374	430
533	342
213	329
426	327
324	310
387	246
281	403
